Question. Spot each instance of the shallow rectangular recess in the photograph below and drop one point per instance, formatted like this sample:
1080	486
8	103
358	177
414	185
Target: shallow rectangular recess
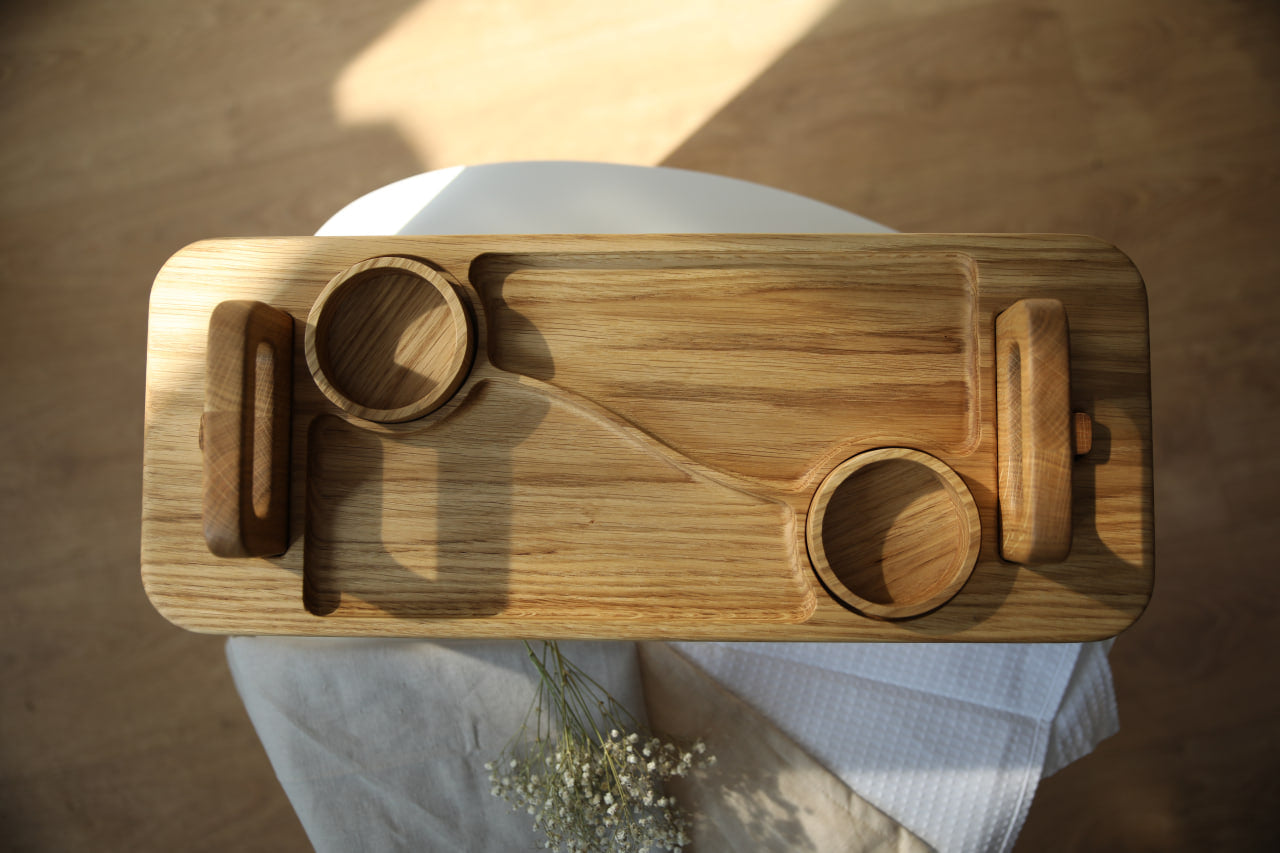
755	363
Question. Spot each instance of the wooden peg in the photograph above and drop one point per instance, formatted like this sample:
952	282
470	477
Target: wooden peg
1082	433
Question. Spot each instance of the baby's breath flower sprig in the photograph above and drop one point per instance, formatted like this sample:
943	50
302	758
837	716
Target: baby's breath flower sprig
585	771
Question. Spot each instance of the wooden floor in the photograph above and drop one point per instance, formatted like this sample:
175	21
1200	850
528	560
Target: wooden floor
132	128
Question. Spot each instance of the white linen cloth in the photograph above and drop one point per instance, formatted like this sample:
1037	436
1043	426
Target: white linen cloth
379	744
949	739
764	793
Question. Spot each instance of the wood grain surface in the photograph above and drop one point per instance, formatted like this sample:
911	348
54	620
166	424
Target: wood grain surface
1035	431
593	475
893	533
145	126
523	507
757	363
245	428
388	340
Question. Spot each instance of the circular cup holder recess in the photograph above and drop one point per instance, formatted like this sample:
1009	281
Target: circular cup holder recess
389	340
893	533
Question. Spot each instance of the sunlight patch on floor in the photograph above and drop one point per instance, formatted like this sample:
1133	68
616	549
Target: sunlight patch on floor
573	80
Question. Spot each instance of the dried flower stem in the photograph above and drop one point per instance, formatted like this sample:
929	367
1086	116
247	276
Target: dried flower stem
588	786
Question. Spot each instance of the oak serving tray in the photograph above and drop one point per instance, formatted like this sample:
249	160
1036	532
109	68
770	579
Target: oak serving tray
832	437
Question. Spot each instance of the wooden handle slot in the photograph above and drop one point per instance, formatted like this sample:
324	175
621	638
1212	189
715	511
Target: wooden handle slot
244	431
1035	432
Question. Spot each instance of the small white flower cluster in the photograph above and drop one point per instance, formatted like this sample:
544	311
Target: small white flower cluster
599	794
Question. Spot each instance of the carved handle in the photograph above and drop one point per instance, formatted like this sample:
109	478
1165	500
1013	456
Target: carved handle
1034	435
244	432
